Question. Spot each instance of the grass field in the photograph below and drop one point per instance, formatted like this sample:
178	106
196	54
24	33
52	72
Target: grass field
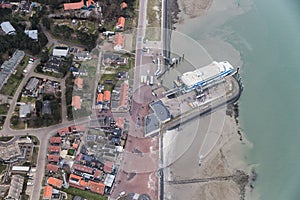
83	193
2	167
15	79
4	108
5	138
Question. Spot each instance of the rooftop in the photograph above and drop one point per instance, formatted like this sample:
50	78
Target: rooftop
47	192
8	28
51	168
16	186
55	182
76	103
55	140
162	113
53	149
53	158
33	34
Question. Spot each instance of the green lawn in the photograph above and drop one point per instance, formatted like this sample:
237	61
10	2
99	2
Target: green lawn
71	152
83	193
2	167
11	86
35	156
15	79
4	108
5	138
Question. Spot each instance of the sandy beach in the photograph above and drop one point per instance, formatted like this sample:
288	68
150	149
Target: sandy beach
222	174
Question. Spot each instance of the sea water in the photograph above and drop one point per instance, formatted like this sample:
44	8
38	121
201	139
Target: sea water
267	36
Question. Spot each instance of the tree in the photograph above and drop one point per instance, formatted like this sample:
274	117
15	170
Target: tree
14	120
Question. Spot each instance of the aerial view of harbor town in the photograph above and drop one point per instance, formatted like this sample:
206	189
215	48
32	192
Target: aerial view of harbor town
148	100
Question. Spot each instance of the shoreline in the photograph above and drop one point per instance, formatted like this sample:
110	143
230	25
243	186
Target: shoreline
228	152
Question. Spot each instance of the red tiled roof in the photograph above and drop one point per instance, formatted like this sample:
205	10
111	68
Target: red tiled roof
55	140
78	158
99	97
47	192
120	122
121	22
63	130
54	149
83	168
123	5
77	128
106	95
55	182
53	158
75	145
79	83
6	5
97	174
77	5
74	178
76	103
108	165
119	40
51	168
97	187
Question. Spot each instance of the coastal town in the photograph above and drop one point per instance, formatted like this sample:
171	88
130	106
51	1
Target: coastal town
89	96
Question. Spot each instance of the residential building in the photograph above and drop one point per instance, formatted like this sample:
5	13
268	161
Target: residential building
9	66
64	131
82	56
108	167
25	110
123	5
55	140
119	42
54	149
32	84
83	168
50	168
76	102
60	51
106	96
47	195
79	72
33	34
96	187
7	28
120	25
83	4
55	182
10	153
78	82
53	158
16	186
46	109
77	129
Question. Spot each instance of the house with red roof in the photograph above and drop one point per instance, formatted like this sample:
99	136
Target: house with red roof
76	102
47	194
120	25
78	182
119	42
75	128
83	168
64	131
108	167
55	182
51	168
79	83
53	158
107	95
123	5
96	187
83	4
55	140
54	149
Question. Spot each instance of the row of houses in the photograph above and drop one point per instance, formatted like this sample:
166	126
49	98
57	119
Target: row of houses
9	66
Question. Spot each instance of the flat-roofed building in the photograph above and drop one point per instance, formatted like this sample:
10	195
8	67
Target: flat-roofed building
33	34
7	28
16	186
25	110
60	51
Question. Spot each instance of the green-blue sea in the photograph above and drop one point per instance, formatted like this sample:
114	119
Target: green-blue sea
267	36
